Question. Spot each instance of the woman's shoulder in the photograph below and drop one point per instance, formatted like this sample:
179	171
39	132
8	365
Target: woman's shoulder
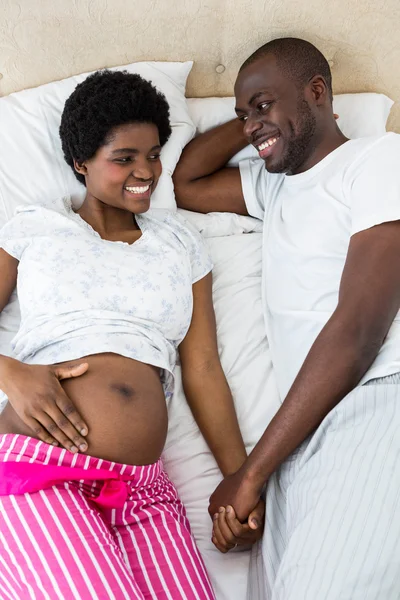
61	206
173	220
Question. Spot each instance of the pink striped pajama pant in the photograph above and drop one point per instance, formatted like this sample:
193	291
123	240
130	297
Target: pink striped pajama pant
68	532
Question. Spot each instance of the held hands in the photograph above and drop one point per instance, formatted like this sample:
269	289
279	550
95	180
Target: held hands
229	532
237	512
35	393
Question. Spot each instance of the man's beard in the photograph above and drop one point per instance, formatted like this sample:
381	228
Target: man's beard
300	145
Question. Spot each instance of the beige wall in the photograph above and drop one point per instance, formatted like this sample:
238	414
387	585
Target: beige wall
44	40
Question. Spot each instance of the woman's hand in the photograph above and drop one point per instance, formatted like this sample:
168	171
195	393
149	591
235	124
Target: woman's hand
229	532
237	490
35	393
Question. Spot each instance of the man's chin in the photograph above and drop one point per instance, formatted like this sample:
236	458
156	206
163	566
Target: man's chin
274	167
276	163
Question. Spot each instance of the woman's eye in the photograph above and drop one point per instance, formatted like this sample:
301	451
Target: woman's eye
123	160
154	157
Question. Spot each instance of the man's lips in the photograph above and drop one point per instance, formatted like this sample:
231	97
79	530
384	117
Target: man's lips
266	146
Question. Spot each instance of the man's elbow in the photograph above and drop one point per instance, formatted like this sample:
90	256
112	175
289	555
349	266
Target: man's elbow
362	336
183	184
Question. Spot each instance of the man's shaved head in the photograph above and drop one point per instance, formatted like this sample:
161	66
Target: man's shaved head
297	59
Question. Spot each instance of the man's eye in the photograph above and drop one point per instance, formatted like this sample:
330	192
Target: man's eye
123	160
243	118
154	157
264	106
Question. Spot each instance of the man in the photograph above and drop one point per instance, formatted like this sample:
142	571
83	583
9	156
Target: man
331	293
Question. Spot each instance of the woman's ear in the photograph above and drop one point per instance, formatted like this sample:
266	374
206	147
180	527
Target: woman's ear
80	167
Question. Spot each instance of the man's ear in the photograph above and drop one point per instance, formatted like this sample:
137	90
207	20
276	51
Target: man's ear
319	89
80	167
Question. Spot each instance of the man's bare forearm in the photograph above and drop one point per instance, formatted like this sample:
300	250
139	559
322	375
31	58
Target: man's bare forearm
201	180
210	151
335	364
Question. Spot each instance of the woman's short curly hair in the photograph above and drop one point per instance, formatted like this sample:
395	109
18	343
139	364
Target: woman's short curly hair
103	101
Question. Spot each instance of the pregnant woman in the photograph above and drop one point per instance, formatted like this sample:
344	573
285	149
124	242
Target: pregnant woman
109	295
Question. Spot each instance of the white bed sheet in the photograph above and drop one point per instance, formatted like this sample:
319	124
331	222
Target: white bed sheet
246	360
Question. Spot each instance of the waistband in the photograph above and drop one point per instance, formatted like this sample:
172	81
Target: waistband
28	465
393	379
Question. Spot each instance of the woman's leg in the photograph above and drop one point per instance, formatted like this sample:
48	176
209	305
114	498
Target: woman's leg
55	545
154	536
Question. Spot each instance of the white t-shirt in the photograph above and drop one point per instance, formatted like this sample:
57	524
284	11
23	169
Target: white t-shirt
308	221
82	295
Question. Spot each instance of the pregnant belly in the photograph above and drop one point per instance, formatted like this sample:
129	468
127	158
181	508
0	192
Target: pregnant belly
122	402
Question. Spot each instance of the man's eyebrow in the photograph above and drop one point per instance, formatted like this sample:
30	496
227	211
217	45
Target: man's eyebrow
254	97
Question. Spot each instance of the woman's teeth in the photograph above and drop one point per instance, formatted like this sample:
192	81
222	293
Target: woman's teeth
138	189
266	144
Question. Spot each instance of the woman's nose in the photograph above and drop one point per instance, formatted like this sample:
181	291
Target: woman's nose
142	170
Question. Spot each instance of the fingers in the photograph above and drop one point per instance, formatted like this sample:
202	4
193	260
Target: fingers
60	430
218	539
227	536
256	517
231	538
60	427
40	432
237	528
69	411
73	371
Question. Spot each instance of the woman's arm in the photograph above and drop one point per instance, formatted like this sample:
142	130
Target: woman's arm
205	385
8	281
34	391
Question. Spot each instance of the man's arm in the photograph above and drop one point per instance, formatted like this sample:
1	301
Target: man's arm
202	181
369	300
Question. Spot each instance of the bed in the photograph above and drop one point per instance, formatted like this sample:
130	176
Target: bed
210	35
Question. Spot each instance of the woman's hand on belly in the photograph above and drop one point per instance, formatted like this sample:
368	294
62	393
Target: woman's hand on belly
36	395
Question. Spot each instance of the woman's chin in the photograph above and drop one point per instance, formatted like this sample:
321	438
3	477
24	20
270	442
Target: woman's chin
137	204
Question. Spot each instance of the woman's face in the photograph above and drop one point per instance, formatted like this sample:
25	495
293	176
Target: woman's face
124	172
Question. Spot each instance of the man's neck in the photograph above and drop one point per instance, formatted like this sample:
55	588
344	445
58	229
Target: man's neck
324	145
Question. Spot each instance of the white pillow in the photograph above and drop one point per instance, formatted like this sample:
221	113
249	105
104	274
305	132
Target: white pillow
360	115
32	166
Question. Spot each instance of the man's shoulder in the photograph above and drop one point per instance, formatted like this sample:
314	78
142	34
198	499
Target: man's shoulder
372	166
386	144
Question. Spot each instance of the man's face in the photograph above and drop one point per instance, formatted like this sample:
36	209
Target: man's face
276	116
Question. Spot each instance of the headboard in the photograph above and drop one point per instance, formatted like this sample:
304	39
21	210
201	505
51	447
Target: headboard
45	40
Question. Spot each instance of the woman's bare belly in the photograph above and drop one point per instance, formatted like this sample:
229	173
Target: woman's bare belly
123	404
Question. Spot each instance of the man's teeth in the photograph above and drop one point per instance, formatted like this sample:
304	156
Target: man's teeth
266	144
137	189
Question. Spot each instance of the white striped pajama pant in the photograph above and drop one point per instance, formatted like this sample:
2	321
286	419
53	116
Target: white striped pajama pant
332	528
57	544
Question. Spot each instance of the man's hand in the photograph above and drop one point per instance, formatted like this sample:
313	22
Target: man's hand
229	532
236	490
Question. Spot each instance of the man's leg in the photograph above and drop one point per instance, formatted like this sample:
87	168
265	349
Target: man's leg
333	526
55	545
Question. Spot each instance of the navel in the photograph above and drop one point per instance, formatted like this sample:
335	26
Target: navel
123	389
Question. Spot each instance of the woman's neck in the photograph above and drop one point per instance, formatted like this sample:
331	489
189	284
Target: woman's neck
105	219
